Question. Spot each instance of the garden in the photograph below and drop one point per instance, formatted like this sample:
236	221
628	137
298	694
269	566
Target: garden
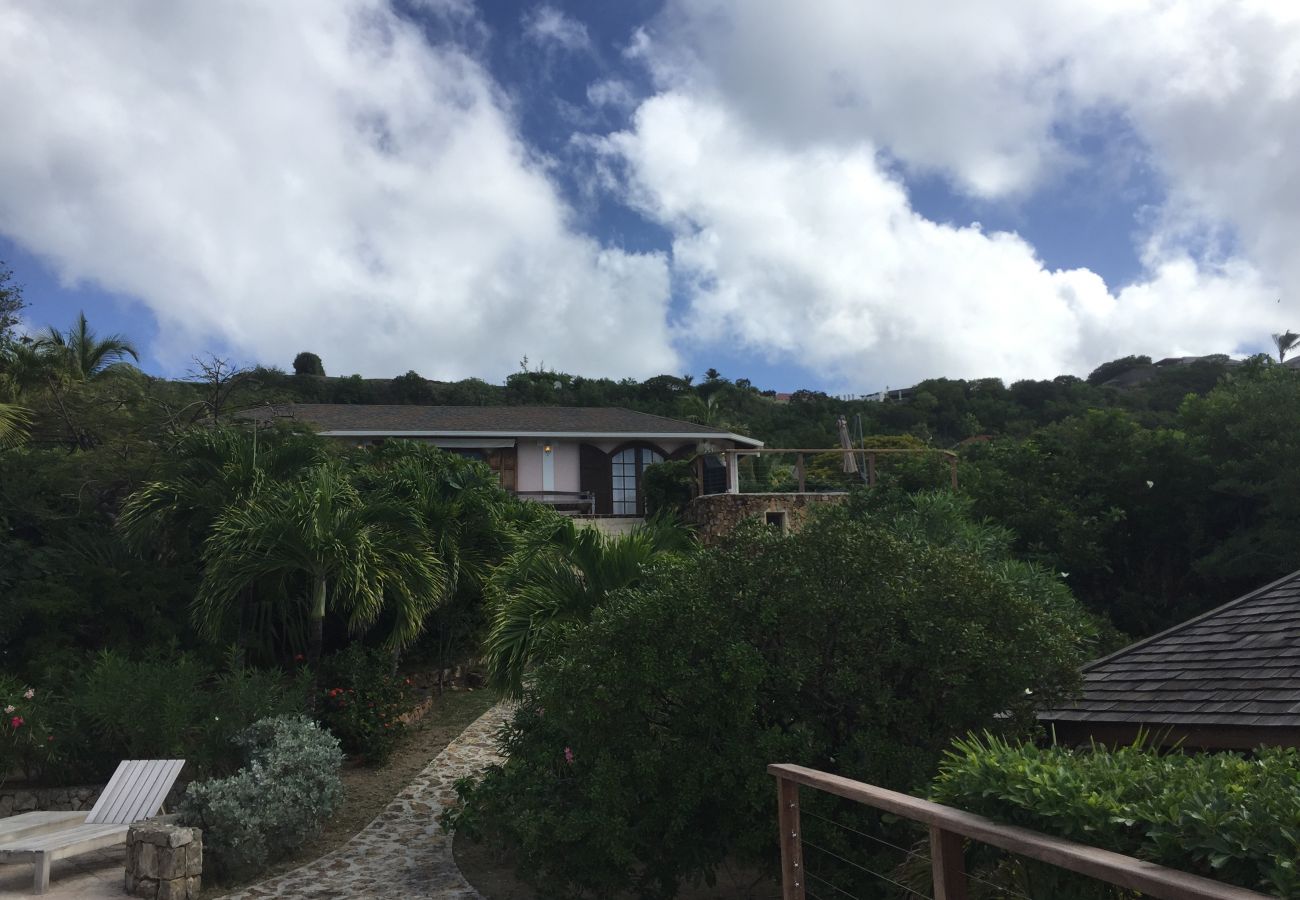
307	623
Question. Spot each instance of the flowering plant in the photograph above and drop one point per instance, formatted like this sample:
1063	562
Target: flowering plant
27	743
365	702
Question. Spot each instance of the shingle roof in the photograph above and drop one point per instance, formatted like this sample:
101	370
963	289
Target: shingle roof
478	420
1235	666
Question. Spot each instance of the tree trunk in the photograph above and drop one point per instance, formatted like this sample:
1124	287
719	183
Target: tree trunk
316	641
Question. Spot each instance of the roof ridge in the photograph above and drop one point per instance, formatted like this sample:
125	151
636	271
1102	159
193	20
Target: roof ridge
1244	598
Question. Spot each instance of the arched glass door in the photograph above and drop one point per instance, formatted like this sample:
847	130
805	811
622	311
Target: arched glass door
627	466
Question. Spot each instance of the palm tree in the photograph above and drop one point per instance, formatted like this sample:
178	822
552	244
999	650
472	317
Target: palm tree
1285	342
205	472
356	557
81	354
14	421
556	578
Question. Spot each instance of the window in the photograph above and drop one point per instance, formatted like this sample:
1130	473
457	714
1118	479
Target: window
776	519
627	466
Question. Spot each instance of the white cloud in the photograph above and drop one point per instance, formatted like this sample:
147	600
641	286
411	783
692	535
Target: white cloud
611	92
800	107
548	25
298	175
814	255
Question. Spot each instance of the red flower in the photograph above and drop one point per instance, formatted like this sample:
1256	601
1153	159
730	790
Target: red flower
16	721
299	657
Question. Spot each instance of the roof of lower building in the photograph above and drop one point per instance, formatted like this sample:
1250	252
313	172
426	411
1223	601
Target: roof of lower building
1237	666
551	421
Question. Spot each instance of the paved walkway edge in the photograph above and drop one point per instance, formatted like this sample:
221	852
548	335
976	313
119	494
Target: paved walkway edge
402	853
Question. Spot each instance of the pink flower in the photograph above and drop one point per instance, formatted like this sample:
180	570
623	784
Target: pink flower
16	721
9	710
568	755
29	693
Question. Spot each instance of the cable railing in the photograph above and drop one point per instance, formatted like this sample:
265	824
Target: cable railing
837	470
820	875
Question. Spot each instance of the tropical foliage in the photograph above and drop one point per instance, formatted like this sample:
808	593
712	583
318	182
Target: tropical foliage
637	759
1224	815
557	577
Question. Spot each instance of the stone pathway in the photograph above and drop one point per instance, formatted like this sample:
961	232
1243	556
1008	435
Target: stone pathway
403	853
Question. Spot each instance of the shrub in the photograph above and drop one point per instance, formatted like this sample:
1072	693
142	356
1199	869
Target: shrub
157	707
364	702
637	760
669	486
27	739
1224	815
289	786
307	363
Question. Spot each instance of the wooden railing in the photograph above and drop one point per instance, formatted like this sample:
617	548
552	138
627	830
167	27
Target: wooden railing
949	828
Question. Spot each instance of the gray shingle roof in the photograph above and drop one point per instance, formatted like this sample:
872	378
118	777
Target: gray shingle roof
1235	666
478	420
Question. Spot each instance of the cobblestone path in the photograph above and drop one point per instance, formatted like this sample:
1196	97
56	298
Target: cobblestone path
402	853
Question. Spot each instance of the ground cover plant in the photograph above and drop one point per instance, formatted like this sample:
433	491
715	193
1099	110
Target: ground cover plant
637	760
362	702
1226	816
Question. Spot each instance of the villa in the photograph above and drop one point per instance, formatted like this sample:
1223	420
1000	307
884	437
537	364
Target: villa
587	460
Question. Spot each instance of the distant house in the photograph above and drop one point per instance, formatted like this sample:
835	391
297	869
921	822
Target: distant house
1229	679
582	459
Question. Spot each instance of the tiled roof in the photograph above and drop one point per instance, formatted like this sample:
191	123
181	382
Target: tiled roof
477	420
1235	666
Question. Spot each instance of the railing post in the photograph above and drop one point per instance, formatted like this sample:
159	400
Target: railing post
947	864
787	817
799	472
871	470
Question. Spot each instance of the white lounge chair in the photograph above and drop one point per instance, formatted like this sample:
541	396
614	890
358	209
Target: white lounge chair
135	792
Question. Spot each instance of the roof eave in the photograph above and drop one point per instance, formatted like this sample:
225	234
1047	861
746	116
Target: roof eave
607	435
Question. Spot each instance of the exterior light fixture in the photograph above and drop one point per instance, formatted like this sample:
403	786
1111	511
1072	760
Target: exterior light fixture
546	448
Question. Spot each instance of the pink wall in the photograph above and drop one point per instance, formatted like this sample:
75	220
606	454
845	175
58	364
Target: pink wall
528	465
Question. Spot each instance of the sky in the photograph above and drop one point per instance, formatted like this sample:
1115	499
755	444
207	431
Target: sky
839	195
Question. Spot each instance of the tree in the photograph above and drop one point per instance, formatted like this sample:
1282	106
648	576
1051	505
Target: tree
1285	343
557	577
204	473
308	363
82	355
355	555
11	303
637	758
14	421
218	379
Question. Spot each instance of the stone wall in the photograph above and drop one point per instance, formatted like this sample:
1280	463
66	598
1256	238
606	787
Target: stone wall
715	515
164	861
67	799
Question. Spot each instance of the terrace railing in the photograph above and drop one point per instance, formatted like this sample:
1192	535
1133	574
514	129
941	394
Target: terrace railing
949	829
581	501
784	471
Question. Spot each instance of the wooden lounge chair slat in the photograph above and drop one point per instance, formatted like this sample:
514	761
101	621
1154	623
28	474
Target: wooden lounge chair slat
135	792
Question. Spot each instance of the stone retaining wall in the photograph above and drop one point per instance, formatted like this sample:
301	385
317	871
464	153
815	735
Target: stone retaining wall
715	515
67	799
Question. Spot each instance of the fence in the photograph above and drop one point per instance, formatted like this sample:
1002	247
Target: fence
783	471
949	828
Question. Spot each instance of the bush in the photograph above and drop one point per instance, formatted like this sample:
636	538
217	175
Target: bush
637	760
669	486
27	740
1224	816
278	801
364	701
152	708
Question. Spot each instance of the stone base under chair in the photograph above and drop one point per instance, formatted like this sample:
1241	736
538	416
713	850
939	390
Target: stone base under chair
164	862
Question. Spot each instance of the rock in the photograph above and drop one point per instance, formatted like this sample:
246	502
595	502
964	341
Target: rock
24	801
